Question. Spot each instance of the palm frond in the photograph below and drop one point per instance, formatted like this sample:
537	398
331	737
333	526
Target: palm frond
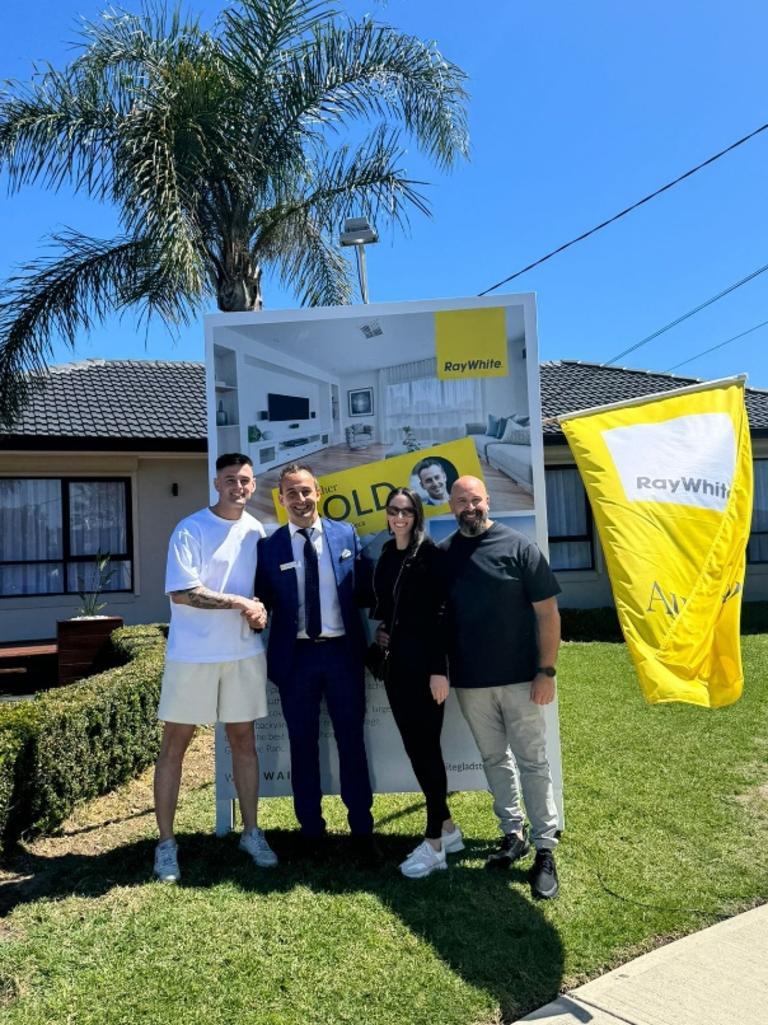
365	179
56	130
370	70
67	293
308	260
258	33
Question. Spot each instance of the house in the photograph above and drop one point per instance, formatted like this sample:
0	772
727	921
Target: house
570	385
108	455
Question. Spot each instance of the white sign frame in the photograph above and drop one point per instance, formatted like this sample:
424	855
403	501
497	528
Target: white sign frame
247	355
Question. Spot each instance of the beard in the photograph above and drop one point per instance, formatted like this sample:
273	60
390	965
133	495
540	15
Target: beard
473	523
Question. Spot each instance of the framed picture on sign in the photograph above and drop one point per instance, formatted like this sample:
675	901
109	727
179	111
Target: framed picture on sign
360	402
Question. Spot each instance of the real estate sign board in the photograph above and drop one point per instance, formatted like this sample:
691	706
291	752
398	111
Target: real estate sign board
374	397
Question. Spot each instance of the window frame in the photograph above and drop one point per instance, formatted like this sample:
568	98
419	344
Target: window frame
588	537
67	557
757	533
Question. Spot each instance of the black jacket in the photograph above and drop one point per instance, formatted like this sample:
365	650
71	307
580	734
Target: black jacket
417	645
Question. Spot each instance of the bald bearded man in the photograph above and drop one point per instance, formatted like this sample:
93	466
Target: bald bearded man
503	634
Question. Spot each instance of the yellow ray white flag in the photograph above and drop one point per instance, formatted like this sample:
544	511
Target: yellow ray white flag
669	478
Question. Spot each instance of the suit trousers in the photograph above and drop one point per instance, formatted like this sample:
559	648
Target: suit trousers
420	721
327	669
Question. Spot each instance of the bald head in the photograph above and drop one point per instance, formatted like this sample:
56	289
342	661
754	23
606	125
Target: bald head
468	483
469	504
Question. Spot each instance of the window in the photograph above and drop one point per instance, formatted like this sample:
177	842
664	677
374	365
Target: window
436	411
757	549
569	519
51	530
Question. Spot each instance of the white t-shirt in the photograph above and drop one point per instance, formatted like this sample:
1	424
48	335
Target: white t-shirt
221	555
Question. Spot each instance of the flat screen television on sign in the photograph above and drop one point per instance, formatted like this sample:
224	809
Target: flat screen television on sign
287	407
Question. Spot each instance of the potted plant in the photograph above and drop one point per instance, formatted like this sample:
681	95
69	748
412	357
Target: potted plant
410	441
84	647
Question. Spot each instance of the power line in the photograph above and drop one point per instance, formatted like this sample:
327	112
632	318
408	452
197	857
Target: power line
627	210
728	341
690	313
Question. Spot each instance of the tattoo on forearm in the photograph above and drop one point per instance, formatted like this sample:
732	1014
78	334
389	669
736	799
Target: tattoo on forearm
202	598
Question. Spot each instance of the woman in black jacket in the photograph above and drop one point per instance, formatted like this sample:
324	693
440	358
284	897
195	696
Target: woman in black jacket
409	588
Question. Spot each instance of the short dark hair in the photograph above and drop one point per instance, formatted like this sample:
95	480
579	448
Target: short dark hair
233	459
419	531
294	468
429	462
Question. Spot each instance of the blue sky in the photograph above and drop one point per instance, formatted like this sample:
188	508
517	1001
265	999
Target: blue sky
576	111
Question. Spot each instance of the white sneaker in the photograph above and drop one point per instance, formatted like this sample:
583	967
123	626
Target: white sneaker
255	843
167	862
423	861
453	842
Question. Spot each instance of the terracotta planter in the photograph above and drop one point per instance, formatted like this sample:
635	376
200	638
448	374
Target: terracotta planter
84	646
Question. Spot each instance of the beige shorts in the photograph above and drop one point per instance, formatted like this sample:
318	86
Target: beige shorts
205	692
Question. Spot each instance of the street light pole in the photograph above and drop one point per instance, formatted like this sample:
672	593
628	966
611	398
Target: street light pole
362	271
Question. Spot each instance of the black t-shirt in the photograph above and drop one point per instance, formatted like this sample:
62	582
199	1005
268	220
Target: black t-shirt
490	623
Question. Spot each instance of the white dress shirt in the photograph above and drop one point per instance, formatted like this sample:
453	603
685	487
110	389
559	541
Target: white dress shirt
330	608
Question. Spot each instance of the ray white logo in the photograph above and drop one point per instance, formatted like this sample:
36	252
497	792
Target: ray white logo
688	460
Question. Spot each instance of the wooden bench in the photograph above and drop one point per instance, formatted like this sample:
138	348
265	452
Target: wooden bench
28	665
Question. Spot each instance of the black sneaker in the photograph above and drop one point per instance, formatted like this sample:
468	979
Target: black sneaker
365	850
543	876
511	848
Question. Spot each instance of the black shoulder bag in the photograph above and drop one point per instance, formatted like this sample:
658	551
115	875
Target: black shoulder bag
376	657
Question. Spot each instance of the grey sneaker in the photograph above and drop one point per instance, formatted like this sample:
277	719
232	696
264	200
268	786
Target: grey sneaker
167	862
255	844
511	848
423	861
453	842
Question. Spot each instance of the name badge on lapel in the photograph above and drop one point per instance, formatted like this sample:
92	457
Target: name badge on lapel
346	554
288	565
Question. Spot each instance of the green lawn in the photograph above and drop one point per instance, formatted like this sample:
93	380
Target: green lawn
667	829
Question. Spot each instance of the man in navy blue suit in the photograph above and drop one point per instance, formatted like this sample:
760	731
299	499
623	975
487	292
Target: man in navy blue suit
311	577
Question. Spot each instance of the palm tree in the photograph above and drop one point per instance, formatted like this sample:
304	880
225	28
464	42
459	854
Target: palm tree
223	151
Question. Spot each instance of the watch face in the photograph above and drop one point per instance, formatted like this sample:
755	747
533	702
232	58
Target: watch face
547	670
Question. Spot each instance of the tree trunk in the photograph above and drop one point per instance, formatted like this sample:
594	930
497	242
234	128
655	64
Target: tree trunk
238	286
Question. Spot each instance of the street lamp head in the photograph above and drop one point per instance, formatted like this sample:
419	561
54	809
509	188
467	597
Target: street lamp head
358	232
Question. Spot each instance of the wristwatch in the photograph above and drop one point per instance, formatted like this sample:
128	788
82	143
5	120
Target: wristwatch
546	671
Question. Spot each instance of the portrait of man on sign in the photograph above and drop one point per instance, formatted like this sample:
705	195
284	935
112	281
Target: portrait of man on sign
434	477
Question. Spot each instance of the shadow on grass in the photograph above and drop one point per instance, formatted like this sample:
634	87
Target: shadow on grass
482	924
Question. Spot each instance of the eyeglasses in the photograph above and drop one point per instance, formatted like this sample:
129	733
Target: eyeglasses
405	513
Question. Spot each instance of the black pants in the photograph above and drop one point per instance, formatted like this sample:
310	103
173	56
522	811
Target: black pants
420	720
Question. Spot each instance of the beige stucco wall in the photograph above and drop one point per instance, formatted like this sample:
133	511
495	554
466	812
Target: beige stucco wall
155	513
584	589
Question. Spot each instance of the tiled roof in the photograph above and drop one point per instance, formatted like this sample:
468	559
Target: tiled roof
126	401
161	403
570	385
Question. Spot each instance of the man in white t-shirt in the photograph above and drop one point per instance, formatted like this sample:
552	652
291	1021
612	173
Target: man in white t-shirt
215	667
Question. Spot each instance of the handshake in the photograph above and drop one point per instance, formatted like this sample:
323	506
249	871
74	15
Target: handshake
254	612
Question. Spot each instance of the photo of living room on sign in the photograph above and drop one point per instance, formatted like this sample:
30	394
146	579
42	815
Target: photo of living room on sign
320	388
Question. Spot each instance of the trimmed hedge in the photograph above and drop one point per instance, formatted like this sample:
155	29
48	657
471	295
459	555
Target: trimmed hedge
603	624
754	617
77	742
590	624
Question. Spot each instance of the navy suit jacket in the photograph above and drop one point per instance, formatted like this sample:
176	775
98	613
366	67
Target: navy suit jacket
278	589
